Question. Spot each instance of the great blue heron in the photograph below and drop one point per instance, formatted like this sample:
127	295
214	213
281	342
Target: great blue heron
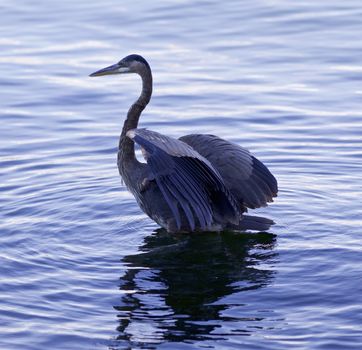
195	183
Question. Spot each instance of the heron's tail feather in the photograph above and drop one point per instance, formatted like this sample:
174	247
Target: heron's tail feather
256	223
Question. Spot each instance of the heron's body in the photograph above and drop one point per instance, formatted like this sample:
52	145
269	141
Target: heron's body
195	183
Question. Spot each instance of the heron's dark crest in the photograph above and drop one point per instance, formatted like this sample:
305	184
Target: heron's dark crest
195	183
133	58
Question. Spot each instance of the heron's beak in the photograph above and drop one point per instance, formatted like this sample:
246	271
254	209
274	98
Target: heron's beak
114	69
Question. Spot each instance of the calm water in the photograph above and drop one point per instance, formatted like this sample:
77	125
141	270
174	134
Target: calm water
82	268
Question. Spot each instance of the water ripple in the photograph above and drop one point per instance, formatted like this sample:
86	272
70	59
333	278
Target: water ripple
81	265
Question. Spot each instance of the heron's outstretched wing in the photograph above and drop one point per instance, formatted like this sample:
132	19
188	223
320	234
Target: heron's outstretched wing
186	179
248	179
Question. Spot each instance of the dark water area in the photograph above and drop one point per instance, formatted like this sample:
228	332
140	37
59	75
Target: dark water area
191	274
82	267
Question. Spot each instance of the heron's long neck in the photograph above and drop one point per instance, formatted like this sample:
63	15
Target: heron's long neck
126	145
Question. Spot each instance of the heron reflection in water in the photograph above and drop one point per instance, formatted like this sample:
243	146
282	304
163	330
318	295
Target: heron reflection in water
184	287
195	183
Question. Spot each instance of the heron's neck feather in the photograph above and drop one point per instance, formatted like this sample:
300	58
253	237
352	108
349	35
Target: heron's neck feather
126	145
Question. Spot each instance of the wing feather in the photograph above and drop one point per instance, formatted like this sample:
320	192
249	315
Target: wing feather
248	179
187	180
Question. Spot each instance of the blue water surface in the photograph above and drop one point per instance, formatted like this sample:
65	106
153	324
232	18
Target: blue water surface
82	267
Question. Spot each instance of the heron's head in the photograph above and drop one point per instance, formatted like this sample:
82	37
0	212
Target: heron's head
129	64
